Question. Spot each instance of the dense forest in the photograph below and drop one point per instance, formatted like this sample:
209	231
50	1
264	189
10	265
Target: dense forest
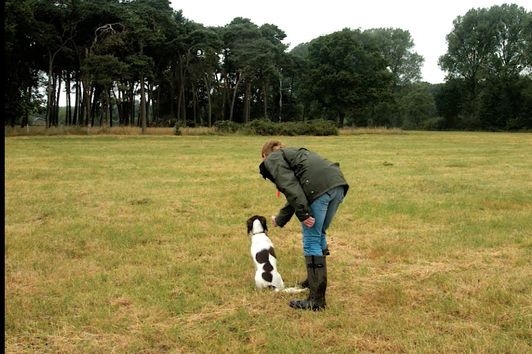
142	63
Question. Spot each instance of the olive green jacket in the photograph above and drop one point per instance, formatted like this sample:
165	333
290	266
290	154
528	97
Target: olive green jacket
302	176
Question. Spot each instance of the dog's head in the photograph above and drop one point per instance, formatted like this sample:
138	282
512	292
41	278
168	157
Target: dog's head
257	224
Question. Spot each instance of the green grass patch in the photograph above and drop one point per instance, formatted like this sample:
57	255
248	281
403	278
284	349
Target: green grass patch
138	244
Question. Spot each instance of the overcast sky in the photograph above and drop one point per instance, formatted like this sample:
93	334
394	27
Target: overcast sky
427	21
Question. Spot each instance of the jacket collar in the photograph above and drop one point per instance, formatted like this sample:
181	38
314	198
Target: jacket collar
265	173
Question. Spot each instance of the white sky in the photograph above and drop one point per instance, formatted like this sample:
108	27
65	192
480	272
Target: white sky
427	21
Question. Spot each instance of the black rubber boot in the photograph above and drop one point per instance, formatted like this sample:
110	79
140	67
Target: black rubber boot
304	283
317	278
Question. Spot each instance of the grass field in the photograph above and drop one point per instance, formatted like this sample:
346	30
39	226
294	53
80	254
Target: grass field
137	244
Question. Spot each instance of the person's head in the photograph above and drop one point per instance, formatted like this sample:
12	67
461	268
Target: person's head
271	146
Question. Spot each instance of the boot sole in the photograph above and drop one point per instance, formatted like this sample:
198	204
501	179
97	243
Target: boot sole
299	307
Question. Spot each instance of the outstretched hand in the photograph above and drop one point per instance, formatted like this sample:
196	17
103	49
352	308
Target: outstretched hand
309	222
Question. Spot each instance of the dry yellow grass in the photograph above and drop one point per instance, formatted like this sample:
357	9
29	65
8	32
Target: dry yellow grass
137	244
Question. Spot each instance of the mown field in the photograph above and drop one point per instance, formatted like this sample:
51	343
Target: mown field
137	244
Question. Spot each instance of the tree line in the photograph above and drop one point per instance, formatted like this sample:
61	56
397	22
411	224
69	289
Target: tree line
140	62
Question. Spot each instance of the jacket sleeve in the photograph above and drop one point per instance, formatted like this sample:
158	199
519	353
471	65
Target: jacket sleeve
288	184
284	216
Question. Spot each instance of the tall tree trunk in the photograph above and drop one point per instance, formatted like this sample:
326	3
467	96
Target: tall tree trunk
194	105
265	97
247	102
142	104
94	97
173	92
280	98
57	97
158	105
209	103
51	119
180	91
49	89
68	112
234	98
224	97
118	104
149	111
25	116
183	107
81	121
341	117
76	103
132	104
53	100
86	100
110	107
124	98
105	108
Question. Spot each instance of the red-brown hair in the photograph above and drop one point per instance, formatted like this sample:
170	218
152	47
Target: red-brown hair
271	146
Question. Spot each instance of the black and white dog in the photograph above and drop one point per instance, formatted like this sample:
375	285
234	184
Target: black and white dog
263	253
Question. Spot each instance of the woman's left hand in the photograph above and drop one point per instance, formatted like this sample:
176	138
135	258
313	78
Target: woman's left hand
309	222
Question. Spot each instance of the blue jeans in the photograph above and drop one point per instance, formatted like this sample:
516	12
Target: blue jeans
324	208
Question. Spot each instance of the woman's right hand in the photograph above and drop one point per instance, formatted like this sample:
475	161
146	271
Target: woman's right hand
274	223
309	222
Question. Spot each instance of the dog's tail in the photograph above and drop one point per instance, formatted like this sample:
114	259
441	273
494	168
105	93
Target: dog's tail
291	290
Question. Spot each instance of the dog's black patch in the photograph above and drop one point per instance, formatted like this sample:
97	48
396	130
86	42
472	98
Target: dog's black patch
262	256
272	252
267	267
267	276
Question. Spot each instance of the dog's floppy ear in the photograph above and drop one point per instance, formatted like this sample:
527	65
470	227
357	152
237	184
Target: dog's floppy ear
249	224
